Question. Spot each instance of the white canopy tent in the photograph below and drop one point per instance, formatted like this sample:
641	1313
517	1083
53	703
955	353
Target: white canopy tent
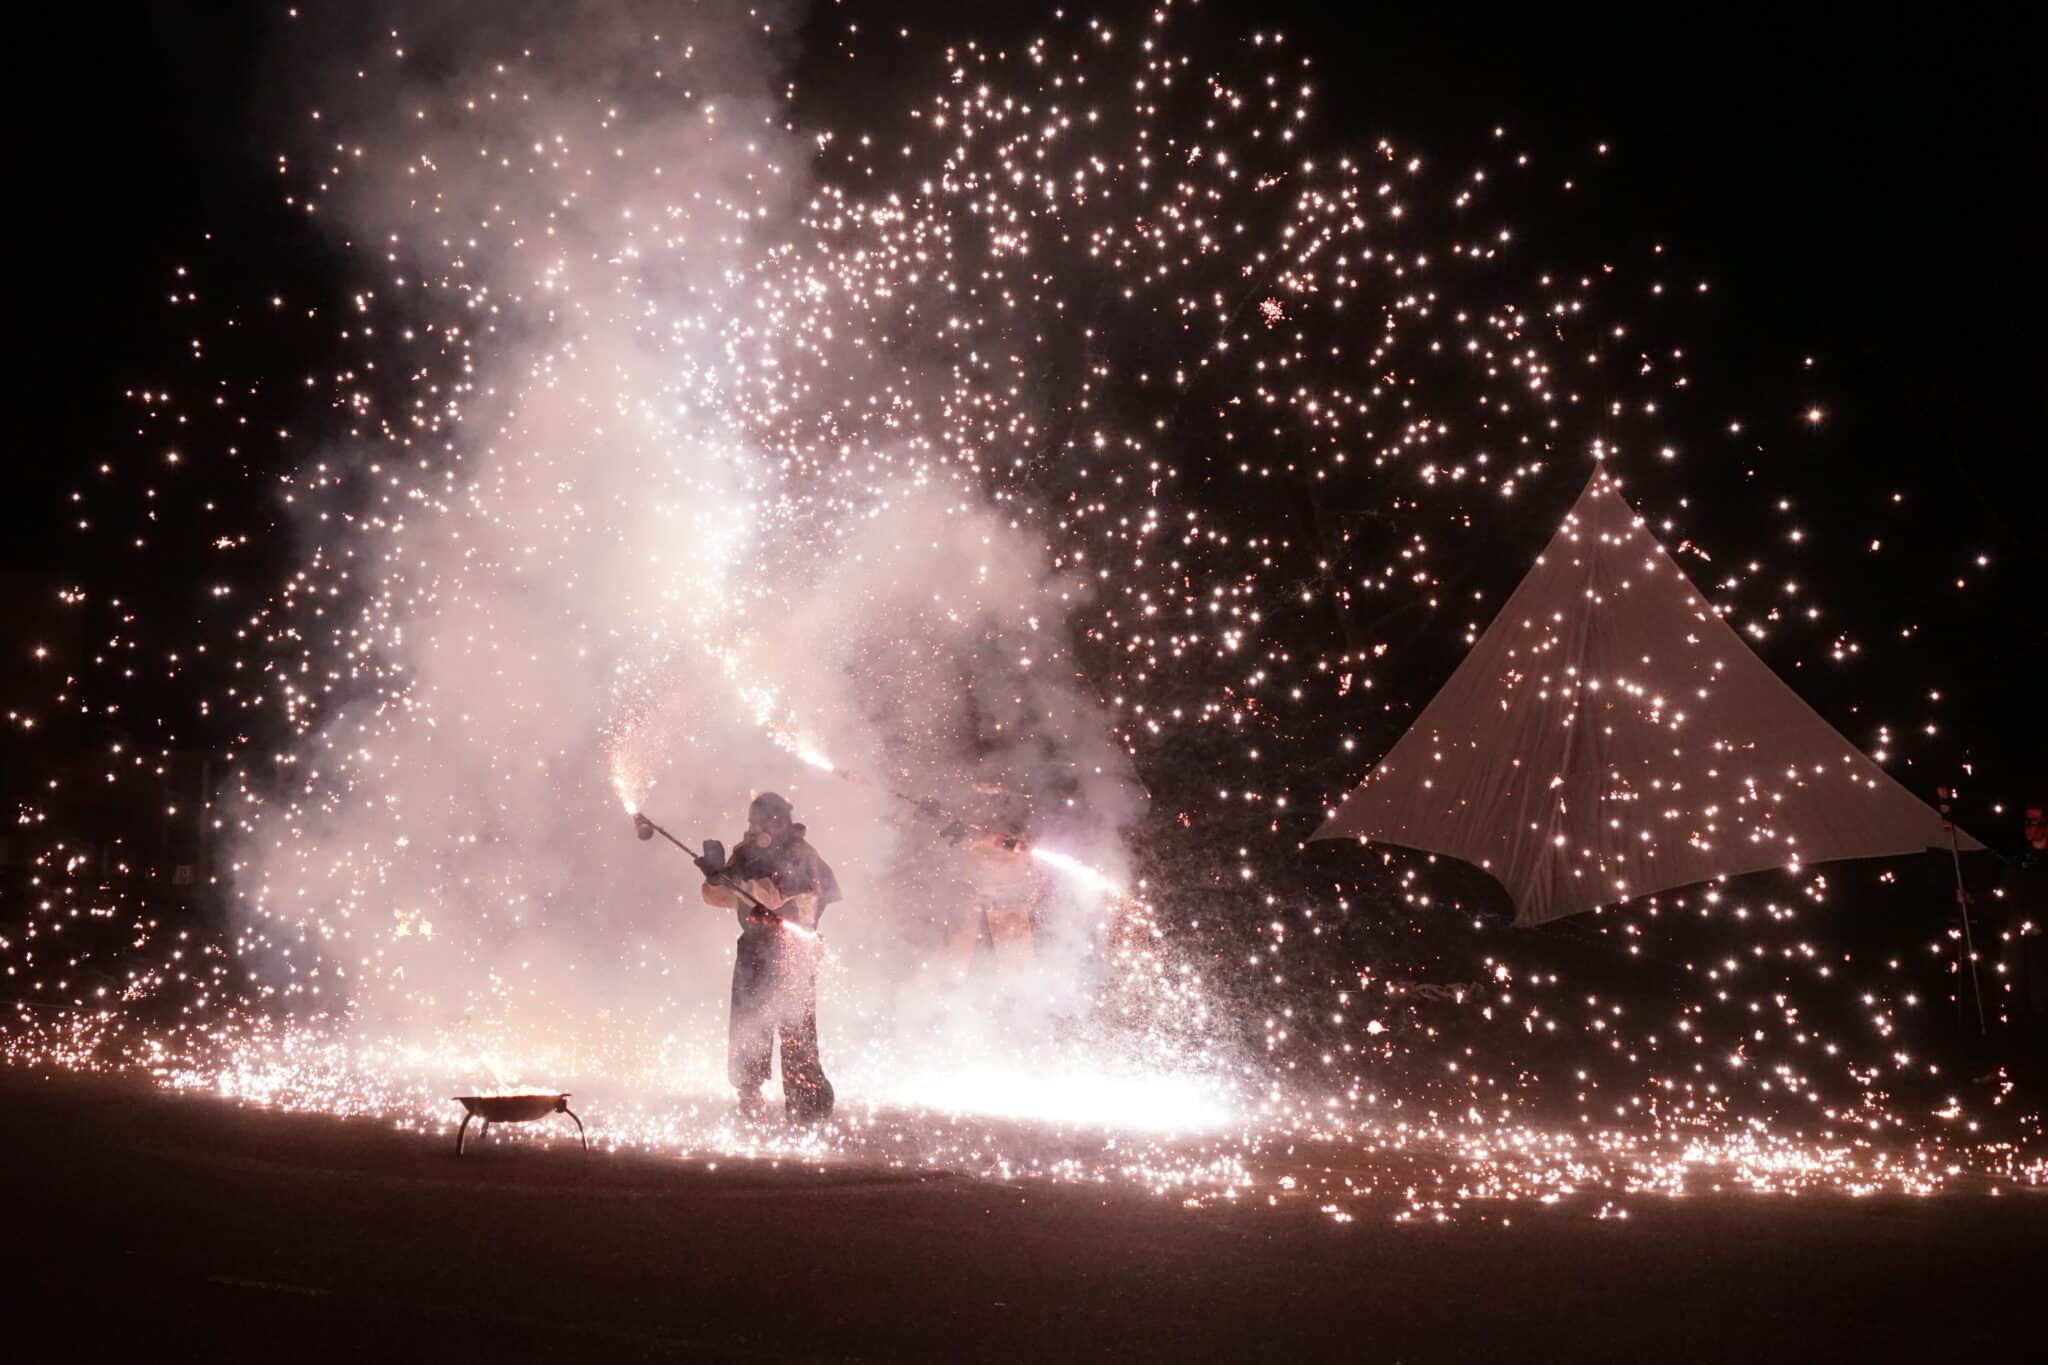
1610	736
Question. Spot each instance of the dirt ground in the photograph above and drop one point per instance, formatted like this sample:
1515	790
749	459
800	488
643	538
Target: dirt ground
156	1227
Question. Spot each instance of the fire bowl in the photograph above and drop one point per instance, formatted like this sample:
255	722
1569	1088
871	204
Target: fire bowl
514	1109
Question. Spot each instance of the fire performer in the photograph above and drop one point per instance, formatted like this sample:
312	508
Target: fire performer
775	974
1001	884
2025	892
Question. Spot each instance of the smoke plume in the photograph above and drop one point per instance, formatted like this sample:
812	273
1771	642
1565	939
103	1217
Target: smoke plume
647	524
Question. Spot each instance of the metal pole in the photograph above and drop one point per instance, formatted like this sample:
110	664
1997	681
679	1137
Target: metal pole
926	806
641	822
205	855
1963	904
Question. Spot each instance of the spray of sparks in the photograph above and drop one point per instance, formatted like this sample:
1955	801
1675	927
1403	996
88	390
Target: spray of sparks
1099	371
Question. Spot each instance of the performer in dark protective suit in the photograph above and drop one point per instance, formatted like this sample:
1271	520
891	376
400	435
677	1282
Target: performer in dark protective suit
2024	892
775	974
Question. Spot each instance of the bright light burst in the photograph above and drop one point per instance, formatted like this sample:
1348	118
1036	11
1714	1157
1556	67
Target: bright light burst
1099	882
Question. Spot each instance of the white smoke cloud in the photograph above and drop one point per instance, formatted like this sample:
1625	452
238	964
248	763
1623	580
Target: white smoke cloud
623	538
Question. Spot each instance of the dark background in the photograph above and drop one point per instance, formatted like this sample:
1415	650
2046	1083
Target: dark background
1853	179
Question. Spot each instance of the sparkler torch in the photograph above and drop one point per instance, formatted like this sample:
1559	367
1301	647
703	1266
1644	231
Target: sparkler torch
646	829
1065	863
808	753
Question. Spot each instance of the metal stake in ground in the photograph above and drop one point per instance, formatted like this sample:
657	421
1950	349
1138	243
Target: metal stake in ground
1942	797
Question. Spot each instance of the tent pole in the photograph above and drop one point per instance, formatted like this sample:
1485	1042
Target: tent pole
1962	904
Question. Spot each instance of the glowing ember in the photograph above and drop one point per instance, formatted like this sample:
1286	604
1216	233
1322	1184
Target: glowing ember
624	786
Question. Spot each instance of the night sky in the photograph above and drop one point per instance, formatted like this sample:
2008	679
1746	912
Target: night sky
1854	181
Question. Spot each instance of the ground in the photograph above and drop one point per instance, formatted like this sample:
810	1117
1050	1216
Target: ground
170	1228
